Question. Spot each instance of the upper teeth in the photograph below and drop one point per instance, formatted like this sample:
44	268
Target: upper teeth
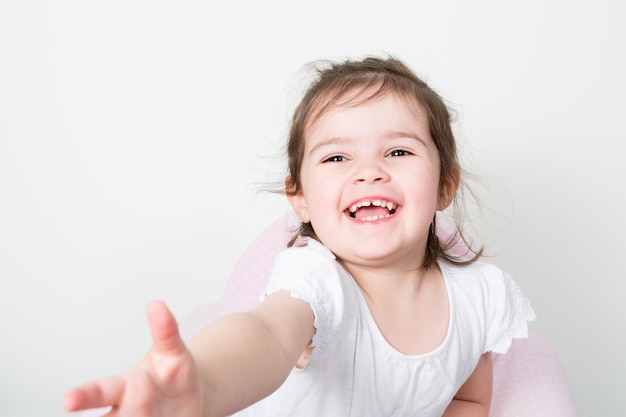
378	203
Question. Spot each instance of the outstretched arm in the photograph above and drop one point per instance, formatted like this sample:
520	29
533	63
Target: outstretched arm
474	397
232	363
264	345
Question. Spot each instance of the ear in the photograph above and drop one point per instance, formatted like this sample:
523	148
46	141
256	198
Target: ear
297	201
449	189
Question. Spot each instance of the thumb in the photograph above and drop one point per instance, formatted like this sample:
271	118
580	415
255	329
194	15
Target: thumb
164	329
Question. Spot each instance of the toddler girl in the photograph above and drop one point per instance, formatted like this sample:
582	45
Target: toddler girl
373	315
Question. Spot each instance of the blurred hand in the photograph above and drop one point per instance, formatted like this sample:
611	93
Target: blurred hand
165	383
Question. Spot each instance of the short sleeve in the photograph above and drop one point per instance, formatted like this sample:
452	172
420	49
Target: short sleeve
311	273
508	313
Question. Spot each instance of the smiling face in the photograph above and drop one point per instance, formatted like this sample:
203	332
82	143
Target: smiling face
370	177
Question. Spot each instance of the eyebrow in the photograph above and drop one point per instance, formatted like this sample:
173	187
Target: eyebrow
396	134
326	142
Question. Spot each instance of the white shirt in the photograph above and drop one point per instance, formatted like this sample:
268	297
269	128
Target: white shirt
354	371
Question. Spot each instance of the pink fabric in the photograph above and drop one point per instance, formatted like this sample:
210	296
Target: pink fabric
529	380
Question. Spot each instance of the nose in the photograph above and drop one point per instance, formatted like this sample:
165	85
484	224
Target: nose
370	171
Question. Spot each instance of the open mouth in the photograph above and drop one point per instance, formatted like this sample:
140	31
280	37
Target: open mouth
372	210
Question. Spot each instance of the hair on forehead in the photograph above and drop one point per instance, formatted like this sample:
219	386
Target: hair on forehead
352	83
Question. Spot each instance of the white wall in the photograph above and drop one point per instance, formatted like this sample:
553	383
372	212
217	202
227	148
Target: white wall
132	134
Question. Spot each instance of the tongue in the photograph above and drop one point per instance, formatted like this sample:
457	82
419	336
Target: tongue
371	211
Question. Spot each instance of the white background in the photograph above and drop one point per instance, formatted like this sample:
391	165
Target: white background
133	135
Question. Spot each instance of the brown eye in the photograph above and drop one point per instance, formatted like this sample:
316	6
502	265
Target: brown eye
399	152
335	158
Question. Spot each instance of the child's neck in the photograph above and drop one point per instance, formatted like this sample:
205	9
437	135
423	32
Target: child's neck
379	285
411	307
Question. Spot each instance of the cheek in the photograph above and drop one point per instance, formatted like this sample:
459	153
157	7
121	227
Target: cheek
424	189
323	199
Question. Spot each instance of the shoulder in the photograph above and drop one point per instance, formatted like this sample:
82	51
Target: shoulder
312	253
304	266
478	267
481	275
484	280
310	263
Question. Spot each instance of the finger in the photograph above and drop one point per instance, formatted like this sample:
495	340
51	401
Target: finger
101	393
164	330
138	399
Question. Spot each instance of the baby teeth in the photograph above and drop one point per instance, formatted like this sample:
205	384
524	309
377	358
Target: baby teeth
378	203
373	218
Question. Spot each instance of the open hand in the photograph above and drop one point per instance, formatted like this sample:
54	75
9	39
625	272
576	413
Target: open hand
165	383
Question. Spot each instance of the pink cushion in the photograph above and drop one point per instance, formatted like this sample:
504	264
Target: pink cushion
529	380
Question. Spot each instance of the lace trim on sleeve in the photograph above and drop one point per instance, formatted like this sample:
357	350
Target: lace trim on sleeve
510	316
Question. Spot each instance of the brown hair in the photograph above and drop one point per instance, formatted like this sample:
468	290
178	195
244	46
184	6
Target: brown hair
337	82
